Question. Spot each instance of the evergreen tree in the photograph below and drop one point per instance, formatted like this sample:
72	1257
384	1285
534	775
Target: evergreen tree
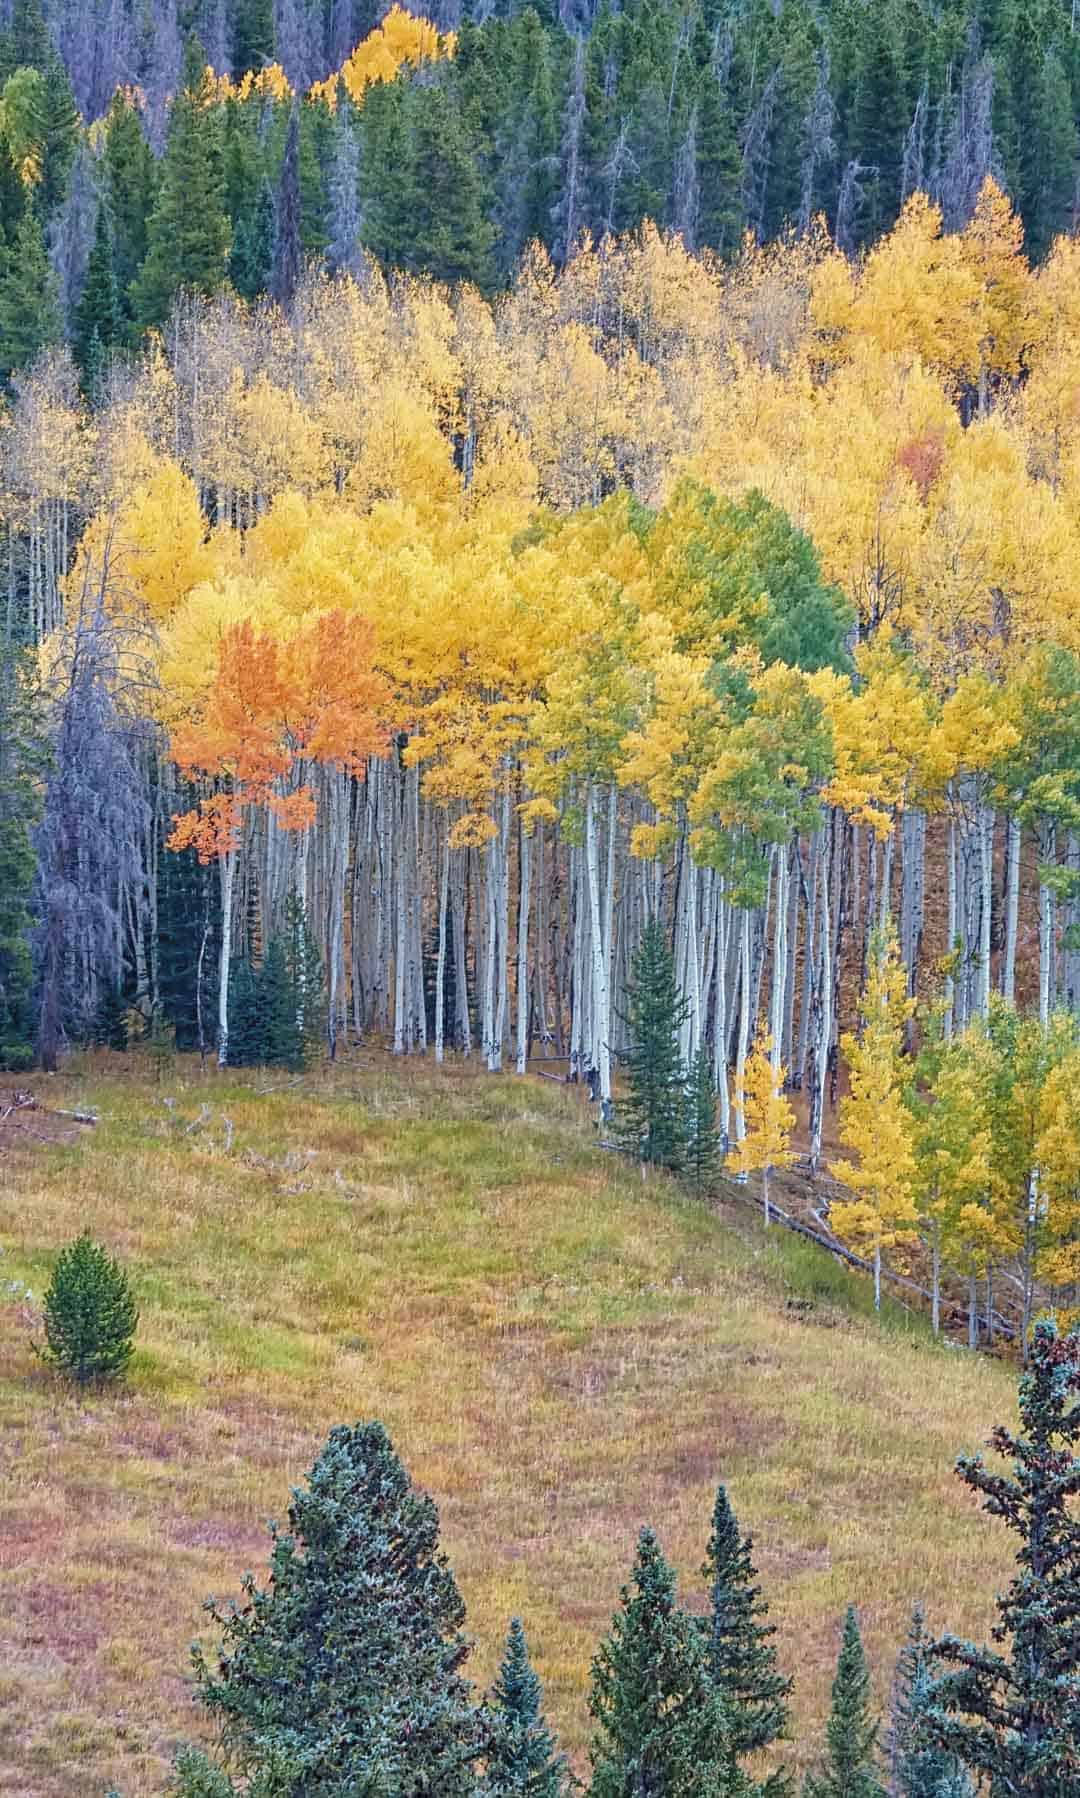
304	973
343	1672
288	250
741	1656
130	189
247	1016
21	759
253	35
651	1119
29	304
99	319
662	1727
188	234
31	45
522	1761
252	261
60	125
850	1766
1013	1717
90	1315
450	236
918	1767
702	1153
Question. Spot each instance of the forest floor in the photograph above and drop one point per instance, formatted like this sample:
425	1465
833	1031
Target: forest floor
561	1350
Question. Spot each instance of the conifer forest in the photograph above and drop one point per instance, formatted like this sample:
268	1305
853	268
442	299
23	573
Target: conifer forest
540	645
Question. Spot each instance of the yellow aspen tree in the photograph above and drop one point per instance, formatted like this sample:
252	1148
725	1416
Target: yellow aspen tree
875	1123
767	1117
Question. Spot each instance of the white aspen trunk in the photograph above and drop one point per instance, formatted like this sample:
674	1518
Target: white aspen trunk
524	871
987	820
440	959
601	1032
720	1018
1047	920
461	968
1012	908
744	1021
228	880
491	941
502	921
936	1255
950	983
973	1311
885	896
824	1022
779	970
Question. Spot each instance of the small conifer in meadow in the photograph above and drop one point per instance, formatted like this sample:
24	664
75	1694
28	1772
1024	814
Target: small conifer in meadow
850	1768
90	1315
739	1647
919	1767
522	1761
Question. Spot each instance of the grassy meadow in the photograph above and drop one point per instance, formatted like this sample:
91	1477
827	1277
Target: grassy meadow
561	1350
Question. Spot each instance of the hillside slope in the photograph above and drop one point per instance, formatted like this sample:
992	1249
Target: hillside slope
561	1352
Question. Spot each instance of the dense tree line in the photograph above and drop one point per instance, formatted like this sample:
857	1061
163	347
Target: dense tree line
148	147
345	1671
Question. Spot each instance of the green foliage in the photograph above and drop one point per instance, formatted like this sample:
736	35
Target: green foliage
90	1315
1012	1715
99	317
522	1761
188	235
651	1117
850	1769
739	1647
130	190
702	1154
252	258
919	1768
22	756
277	1010
343	1672
662	1727
29	305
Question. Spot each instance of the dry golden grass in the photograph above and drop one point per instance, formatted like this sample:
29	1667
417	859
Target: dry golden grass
561	1352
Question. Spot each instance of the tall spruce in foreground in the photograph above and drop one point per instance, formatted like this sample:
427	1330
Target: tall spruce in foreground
738	1644
1013	1716
651	1118
90	1315
662	1727
343	1673
702	1147
850	1769
918	1767
522	1761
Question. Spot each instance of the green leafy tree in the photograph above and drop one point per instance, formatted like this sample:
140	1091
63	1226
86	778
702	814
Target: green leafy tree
1012	1714
651	1118
29	303
188	235
343	1673
702	1154
90	1315
130	175
850	1769
99	317
739	1646
522	1760
919	1768
662	1727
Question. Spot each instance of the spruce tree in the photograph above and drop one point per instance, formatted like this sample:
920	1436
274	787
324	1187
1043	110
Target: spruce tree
283	1044
29	304
343	1673
90	1315
522	1760
252	261
651	1118
99	319
739	1649
702	1154
850	1769
130	191
188	235
60	126
662	1727
919	1768
1012	1715
288	252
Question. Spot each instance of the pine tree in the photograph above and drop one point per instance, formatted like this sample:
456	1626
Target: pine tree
343	1672
188	234
60	126
522	1760
252	261
247	1016
22	757
651	1119
304	971
850	1766
253	35
450	234
130	190
1013	1717
702	1153
919	1769
29	305
99	319
288	250
662	1728
90	1315
741	1656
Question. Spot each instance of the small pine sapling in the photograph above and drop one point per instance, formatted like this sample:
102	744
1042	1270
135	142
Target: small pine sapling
651	1119
522	1760
739	1647
918	1767
702	1152
90	1315
850	1769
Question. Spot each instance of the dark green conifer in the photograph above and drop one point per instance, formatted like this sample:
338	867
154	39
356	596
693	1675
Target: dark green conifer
90	1315
29	303
739	1647
60	127
651	1117
919	1768
343	1673
1012	1713
253	35
850	1768
188	236
99	320
662	1727
252	261
522	1760
130	190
